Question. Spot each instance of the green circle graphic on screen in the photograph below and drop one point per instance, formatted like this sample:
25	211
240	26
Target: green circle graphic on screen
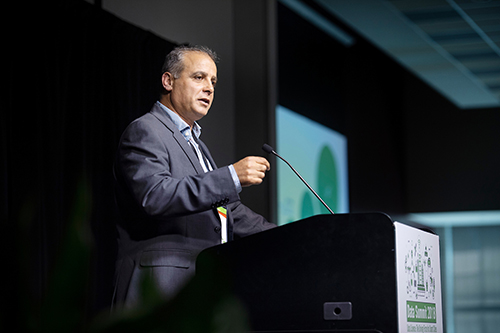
327	180
307	205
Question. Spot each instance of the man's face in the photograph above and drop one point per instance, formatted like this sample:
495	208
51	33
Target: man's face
191	94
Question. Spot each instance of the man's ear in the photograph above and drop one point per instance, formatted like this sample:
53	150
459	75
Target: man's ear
167	80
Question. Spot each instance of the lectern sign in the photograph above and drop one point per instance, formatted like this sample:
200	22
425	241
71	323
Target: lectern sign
418	280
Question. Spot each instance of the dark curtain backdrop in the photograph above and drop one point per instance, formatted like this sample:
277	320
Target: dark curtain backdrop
76	76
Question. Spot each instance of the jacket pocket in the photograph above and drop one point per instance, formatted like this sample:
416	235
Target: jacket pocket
166	258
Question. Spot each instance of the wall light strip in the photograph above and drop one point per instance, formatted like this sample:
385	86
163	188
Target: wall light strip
457	219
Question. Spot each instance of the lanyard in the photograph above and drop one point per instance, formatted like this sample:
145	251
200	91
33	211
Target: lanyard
222	211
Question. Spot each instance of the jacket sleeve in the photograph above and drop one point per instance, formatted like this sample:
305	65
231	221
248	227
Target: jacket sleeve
161	178
247	222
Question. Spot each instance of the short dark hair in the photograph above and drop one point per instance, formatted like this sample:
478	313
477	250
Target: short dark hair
174	60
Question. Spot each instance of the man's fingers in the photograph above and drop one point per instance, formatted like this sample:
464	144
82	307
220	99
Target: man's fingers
261	163
266	164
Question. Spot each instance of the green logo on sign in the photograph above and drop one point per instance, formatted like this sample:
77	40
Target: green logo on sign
420	312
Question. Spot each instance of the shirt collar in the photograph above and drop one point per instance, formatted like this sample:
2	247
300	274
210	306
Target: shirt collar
181	124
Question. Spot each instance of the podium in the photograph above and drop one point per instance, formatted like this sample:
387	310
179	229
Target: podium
331	273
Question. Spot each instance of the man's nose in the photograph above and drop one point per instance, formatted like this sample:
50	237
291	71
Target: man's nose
209	87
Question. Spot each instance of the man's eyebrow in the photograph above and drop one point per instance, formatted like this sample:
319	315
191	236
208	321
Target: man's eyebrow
204	74
199	73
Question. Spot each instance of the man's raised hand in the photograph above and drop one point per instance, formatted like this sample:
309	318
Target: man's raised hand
251	170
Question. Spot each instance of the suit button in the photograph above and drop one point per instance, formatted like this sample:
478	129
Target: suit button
217	229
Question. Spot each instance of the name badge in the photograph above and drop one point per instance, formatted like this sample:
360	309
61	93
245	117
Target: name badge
223	223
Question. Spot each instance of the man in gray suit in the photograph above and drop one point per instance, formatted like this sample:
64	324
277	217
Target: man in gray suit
173	200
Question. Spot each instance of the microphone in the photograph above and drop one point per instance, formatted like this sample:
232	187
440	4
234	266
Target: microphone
268	149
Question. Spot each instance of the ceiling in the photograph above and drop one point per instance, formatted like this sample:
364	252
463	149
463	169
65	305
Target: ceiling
453	45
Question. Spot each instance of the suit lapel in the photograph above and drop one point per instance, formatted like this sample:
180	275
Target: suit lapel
188	150
206	152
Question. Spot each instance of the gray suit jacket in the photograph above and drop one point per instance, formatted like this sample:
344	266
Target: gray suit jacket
167	206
